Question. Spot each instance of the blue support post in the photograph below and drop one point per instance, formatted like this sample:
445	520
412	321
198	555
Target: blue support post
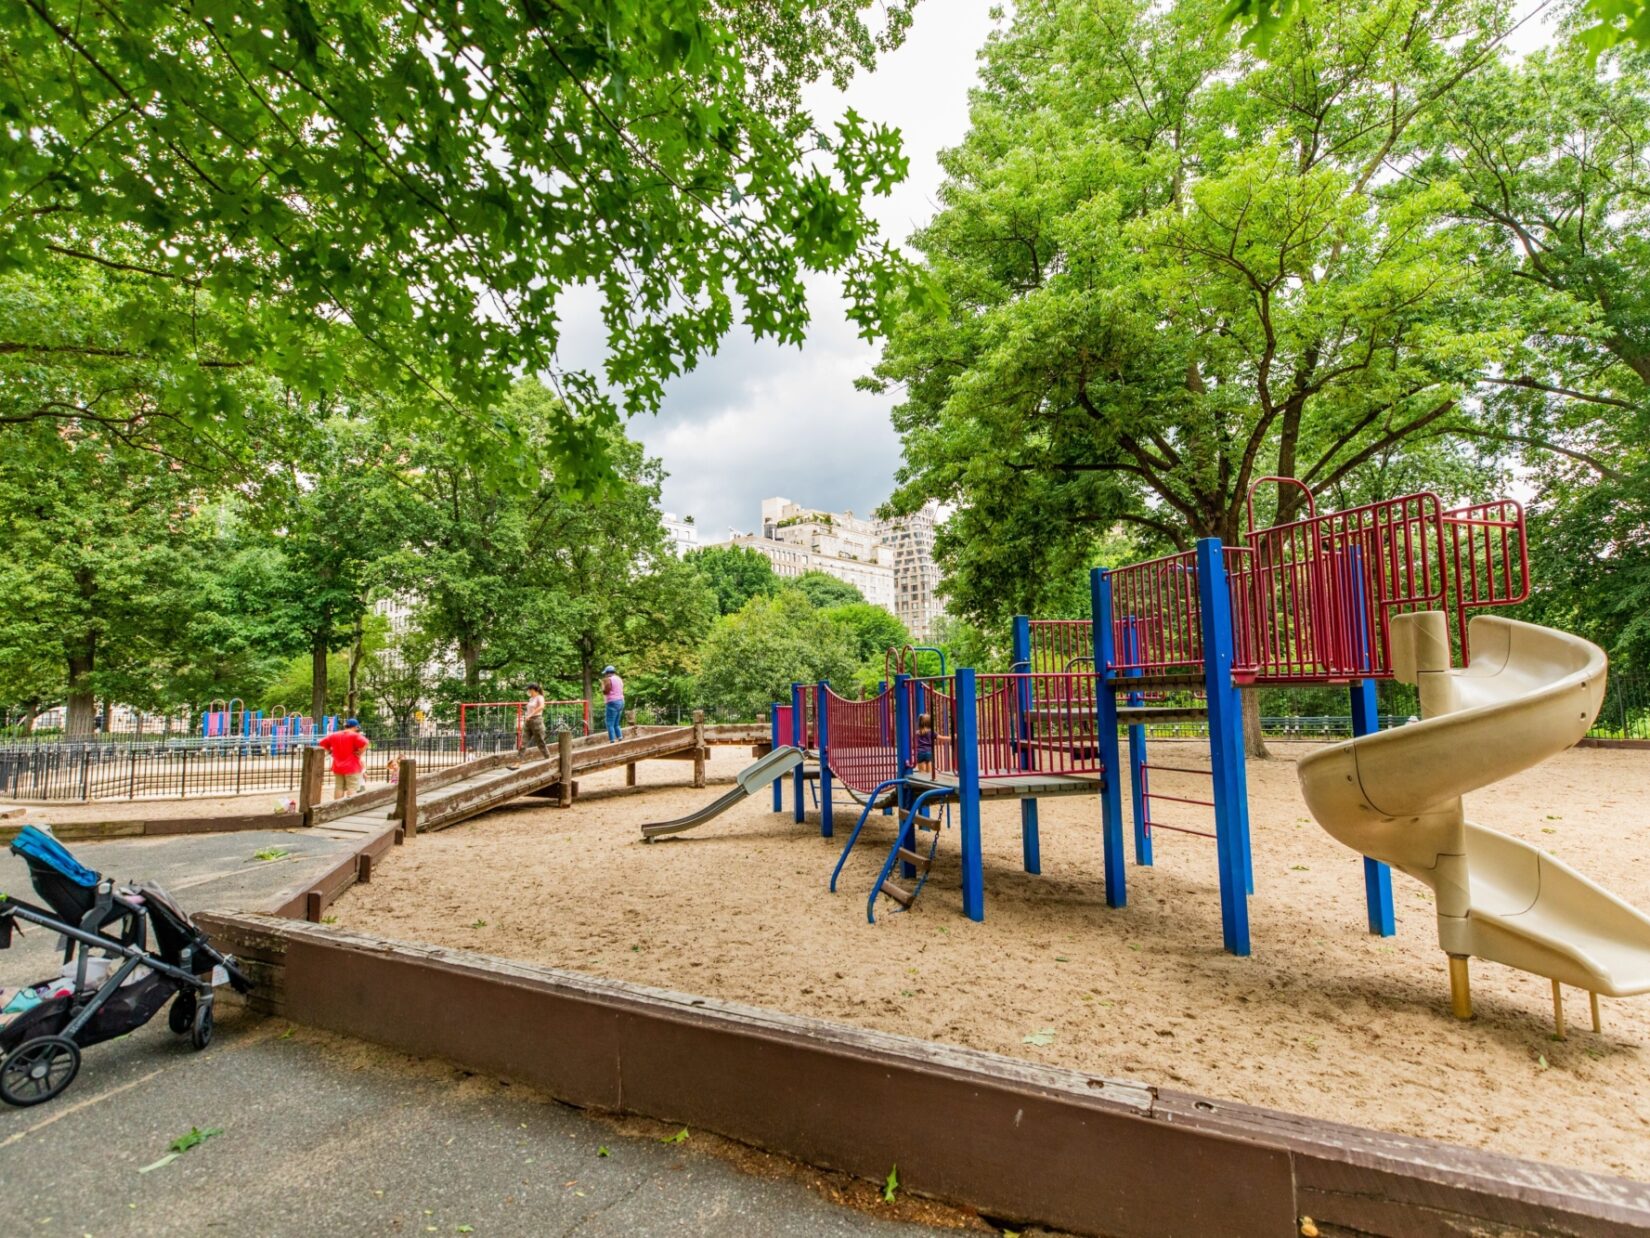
824	737
902	767
967	740
798	779
1377	876
1030	847
1137	748
1105	730
886	721
778	783
1225	745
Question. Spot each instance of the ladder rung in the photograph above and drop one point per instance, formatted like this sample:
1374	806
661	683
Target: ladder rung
924	823
899	894
912	857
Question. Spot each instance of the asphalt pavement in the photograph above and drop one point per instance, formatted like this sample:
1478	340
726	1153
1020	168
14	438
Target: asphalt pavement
322	1135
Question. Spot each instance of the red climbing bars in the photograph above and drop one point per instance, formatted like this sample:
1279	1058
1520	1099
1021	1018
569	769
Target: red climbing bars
861	740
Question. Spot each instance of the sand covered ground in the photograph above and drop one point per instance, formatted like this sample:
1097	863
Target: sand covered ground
1323	1019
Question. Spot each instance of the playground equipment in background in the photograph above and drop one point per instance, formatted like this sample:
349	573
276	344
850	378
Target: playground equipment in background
769	769
573	715
1170	639
1525	694
232	720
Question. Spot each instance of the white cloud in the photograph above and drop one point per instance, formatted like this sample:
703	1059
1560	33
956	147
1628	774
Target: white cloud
759	419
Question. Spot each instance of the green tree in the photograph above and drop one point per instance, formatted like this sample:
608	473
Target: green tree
1164	268
824	591
404	192
735	574
98	562
871	630
751	658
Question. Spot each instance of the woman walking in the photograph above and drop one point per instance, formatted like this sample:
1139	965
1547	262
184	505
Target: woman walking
613	695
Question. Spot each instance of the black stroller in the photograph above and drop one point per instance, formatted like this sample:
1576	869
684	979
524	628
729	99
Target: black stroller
113	981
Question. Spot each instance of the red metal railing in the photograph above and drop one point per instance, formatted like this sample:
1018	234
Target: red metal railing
1318	595
1025	723
810	713
1313	600
859	736
1489	559
1060	645
1147	795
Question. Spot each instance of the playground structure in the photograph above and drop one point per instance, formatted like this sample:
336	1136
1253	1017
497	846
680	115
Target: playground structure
568	715
231	719
1329	599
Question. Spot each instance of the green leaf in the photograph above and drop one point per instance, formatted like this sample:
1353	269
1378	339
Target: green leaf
603	1151
194	1137
680	1136
890	1185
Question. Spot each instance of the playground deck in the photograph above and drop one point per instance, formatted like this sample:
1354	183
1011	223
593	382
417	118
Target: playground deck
1021	786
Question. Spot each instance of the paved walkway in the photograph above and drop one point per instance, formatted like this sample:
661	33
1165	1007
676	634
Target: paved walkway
322	1135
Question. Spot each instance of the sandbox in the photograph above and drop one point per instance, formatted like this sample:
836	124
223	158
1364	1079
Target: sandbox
1323	1020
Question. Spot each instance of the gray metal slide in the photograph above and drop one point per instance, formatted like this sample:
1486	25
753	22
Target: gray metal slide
752	779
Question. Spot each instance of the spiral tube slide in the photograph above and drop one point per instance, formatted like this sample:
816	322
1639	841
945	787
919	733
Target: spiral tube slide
1527	694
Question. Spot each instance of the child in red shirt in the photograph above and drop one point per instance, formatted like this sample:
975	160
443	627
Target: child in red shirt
345	748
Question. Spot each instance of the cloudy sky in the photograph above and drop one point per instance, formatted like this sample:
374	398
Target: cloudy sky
761	419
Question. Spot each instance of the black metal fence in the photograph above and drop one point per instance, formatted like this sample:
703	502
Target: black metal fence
181	768
1626	710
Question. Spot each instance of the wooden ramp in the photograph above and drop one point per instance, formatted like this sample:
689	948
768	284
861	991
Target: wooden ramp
483	785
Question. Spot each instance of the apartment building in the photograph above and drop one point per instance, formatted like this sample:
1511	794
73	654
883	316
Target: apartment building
682	532
797	539
910	539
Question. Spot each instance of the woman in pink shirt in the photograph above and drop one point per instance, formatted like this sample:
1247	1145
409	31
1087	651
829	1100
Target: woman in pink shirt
613	694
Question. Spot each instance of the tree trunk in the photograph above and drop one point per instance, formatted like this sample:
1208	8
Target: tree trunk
470	652
1254	741
318	675
355	654
82	702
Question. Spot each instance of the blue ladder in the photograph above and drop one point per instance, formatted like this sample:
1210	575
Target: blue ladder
919	864
874	800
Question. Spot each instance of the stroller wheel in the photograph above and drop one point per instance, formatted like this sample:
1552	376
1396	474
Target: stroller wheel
181	1018
201	1034
38	1070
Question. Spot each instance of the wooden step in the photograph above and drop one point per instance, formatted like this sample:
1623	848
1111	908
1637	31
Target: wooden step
925	823
899	894
912	857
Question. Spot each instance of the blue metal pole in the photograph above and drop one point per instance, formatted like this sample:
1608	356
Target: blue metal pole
967	740
1105	730
1377	876
1030	847
798	780
1137	748
1225	744
824	737
902	766
778	783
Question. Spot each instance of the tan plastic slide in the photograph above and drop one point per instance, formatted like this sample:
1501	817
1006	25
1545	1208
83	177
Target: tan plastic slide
1528	693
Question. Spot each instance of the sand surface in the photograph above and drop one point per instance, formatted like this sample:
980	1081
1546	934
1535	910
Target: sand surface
1323	1019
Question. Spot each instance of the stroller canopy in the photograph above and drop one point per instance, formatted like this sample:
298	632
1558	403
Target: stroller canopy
44	850
63	881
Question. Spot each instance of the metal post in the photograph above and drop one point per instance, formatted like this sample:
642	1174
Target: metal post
1105	731
798	779
698	747
1030	849
773	733
1137	747
885	726
902	768
967	740
822	731
1377	876
1225	744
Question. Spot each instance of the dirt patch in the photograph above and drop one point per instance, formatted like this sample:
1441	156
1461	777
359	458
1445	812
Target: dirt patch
1323	1019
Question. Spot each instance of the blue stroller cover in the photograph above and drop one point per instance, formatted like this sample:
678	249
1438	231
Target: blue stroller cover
42	848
